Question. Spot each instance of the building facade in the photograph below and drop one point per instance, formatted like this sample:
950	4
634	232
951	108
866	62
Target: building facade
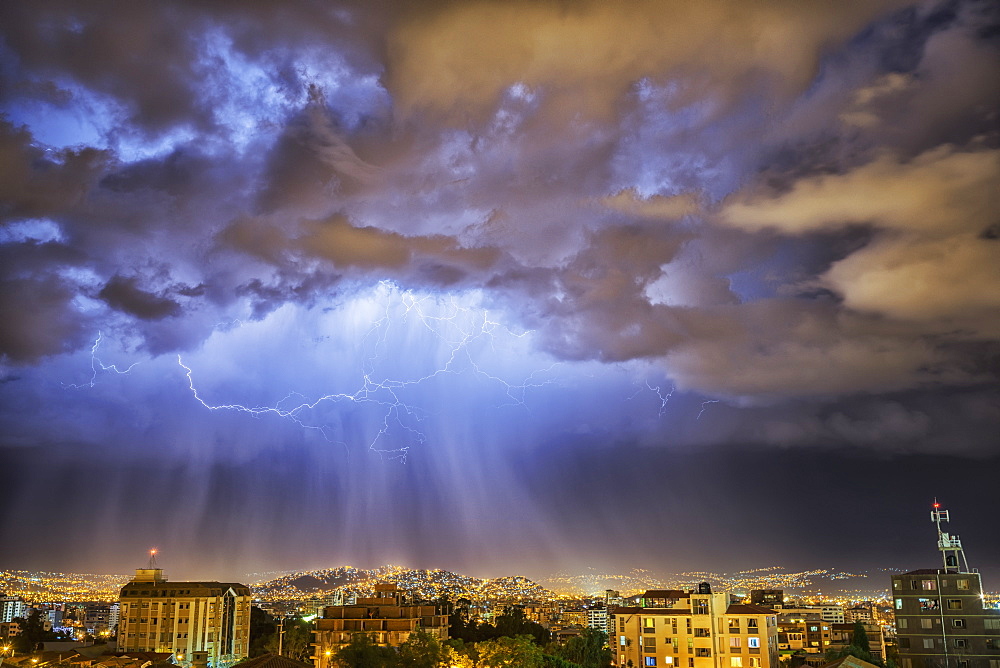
677	629
155	615
386	617
941	621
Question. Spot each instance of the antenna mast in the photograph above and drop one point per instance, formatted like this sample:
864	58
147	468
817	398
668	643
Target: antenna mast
950	546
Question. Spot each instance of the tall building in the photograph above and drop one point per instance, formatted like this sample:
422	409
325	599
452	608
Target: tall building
941	621
184	617
11	607
386	617
700	629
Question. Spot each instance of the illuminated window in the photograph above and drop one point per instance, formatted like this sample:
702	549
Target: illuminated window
753	642
621	640
928	643
928	585
962	584
650	661
929	604
954	604
736	661
992	624
754	662
926	623
734	642
751	625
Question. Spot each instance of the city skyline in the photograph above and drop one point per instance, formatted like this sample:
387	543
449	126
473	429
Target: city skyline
498	287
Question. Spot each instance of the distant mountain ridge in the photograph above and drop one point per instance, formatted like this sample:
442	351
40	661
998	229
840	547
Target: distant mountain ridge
420	583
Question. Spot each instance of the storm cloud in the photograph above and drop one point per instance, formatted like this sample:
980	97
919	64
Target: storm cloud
470	233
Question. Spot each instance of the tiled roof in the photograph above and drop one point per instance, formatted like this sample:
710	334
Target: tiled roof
273	661
748	609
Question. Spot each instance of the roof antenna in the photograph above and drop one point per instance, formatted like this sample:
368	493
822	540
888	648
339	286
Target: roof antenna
950	546
152	558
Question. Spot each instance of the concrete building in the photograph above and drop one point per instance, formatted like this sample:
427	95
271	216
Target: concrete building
767	598
597	618
941	621
386	617
678	629
184	618
841	636
803	630
11	607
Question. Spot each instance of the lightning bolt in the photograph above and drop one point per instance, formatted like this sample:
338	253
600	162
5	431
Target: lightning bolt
704	407
454	328
664	398
97	365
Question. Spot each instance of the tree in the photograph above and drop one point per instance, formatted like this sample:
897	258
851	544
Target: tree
363	652
519	652
297	643
261	631
421	650
589	649
32	633
859	647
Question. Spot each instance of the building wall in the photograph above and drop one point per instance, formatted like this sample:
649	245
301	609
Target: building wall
941	621
706	633
386	617
185	617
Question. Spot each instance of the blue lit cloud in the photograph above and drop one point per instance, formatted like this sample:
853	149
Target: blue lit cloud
454	237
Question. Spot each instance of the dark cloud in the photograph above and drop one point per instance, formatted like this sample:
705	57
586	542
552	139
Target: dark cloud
485	233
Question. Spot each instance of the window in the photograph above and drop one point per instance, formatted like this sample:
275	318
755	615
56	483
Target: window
992	624
755	662
962	584
649	624
929	604
621	640
926	623
751	625
958	623
961	643
649	644
668	661
899	604
650	661
699	606
753	642
895	584
734	625
954	604
992	643
702	651
901	623
736	662
928	585
734	643
928	643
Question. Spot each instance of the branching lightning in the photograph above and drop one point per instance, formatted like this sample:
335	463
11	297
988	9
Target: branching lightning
97	365
704	407
664	398
456	329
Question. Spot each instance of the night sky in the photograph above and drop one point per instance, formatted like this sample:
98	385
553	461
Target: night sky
500	287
